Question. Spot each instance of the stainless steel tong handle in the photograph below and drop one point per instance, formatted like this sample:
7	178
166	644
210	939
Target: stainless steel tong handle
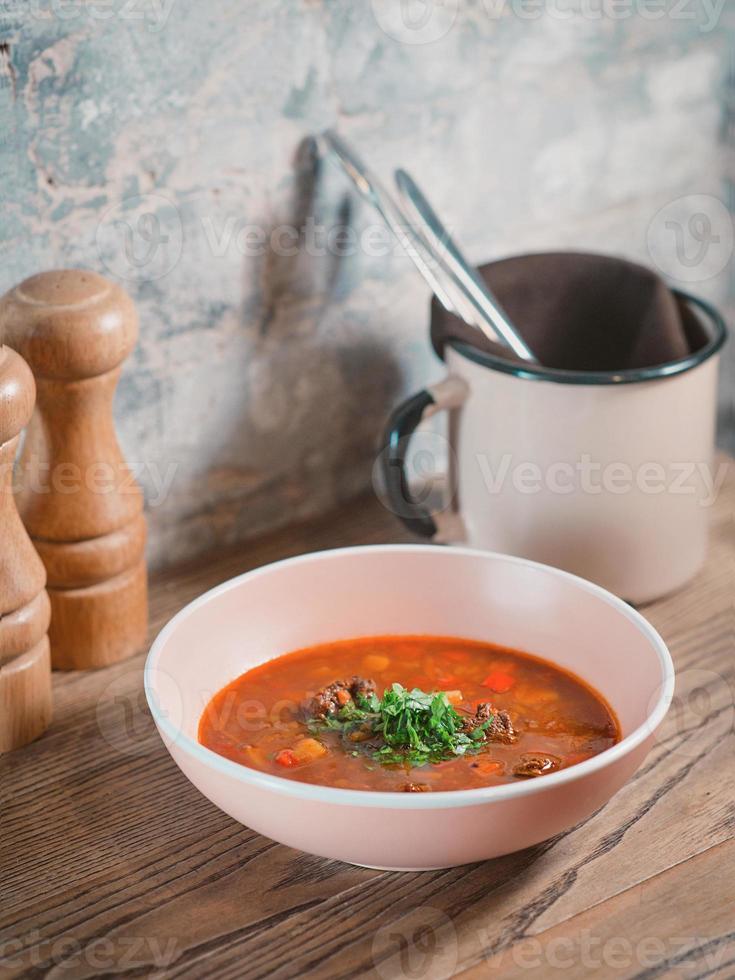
437	257
472	285
374	193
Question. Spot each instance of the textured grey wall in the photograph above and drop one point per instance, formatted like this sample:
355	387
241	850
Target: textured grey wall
157	140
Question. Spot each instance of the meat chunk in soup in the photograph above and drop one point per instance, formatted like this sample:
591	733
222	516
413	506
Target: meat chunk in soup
500	728
330	699
535	764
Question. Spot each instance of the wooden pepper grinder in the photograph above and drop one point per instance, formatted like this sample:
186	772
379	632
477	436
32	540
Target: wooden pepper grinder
78	499
25	665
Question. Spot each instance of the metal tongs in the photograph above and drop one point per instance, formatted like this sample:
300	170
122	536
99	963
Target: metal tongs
455	282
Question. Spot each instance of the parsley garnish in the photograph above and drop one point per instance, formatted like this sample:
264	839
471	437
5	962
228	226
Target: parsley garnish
404	728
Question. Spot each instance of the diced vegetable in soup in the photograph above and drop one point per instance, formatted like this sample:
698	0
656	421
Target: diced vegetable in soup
411	714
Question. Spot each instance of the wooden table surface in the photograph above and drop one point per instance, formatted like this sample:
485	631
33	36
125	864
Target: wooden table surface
113	864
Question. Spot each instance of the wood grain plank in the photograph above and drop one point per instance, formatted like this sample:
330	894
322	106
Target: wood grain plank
113	864
677	924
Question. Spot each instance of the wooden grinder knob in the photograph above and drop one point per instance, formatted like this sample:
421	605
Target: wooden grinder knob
77	498
25	666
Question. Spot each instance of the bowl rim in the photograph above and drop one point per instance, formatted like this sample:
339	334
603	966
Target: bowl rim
388	799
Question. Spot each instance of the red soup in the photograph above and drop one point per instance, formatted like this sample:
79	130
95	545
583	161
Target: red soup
408	713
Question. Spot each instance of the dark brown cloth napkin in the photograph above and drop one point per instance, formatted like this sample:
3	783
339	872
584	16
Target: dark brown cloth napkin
582	312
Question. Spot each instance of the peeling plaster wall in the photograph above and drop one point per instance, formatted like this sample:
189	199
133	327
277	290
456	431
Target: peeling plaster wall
157	141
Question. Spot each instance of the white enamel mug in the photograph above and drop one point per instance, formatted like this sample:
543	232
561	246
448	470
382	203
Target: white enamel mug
606	475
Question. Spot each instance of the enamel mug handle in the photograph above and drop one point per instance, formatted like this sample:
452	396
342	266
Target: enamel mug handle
439	526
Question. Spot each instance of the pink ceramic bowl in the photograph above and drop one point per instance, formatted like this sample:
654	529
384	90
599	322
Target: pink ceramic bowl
410	589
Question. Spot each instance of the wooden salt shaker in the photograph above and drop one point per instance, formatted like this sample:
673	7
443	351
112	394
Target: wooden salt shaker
78	499
25	665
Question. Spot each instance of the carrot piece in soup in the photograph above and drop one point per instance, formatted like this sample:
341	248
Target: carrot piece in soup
286	758
490	768
499	681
